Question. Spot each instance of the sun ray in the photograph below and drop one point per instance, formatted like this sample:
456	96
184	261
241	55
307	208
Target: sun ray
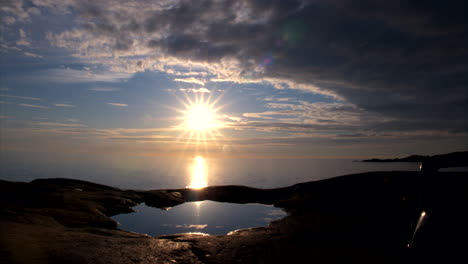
201	122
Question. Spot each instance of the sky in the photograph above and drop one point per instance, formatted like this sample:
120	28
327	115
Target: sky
293	79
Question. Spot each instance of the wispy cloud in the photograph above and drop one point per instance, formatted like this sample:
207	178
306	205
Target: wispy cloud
56	124
72	120
190	80
118	104
8	20
20	97
7	48
68	75
104	89
199	90
64	105
30	54
34	106
23	40
317	113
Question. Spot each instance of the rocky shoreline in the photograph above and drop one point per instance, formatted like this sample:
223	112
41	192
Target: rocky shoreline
362	218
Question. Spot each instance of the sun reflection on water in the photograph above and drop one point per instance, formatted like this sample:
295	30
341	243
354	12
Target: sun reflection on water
199	173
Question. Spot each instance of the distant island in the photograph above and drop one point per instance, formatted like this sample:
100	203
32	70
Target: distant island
412	158
463	155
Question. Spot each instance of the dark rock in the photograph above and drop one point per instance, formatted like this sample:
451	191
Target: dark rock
362	218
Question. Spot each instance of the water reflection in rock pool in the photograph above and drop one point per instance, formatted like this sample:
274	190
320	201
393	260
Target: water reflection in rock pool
206	217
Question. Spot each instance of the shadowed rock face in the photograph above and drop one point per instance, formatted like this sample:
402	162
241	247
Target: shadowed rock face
362	218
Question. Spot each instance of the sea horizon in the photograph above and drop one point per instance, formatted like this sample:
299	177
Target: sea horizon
158	172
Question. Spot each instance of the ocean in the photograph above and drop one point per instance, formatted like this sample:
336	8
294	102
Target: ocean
143	173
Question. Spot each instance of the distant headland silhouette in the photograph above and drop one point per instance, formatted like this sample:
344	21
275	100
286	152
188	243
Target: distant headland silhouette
454	159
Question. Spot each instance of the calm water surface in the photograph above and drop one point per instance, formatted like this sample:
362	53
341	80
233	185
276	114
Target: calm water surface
206	217
161	173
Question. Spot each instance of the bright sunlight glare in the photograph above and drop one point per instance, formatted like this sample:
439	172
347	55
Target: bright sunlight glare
201	120
199	174
200	117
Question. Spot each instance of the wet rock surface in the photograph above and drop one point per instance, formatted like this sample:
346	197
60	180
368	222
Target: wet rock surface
362	218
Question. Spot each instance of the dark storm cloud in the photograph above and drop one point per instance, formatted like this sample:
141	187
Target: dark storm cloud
406	60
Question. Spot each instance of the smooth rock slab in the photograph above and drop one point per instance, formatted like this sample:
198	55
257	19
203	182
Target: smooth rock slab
361	218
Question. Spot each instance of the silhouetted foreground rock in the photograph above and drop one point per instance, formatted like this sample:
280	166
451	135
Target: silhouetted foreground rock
361	218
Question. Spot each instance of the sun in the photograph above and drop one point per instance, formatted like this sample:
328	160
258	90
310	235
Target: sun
200	117
201	120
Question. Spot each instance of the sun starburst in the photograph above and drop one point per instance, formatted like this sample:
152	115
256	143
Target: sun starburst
201	119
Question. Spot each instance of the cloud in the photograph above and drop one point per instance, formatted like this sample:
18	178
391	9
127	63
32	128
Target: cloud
234	118
23	40
20	97
34	106
6	48
317	115
16	8
117	104
64	105
68	75
403	60
29	54
104	89
321	117
8	20
56	124
190	80
295	127
72	120
193	90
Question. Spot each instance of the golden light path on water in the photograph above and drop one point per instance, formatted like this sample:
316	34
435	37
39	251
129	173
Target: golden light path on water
198	178
199	173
